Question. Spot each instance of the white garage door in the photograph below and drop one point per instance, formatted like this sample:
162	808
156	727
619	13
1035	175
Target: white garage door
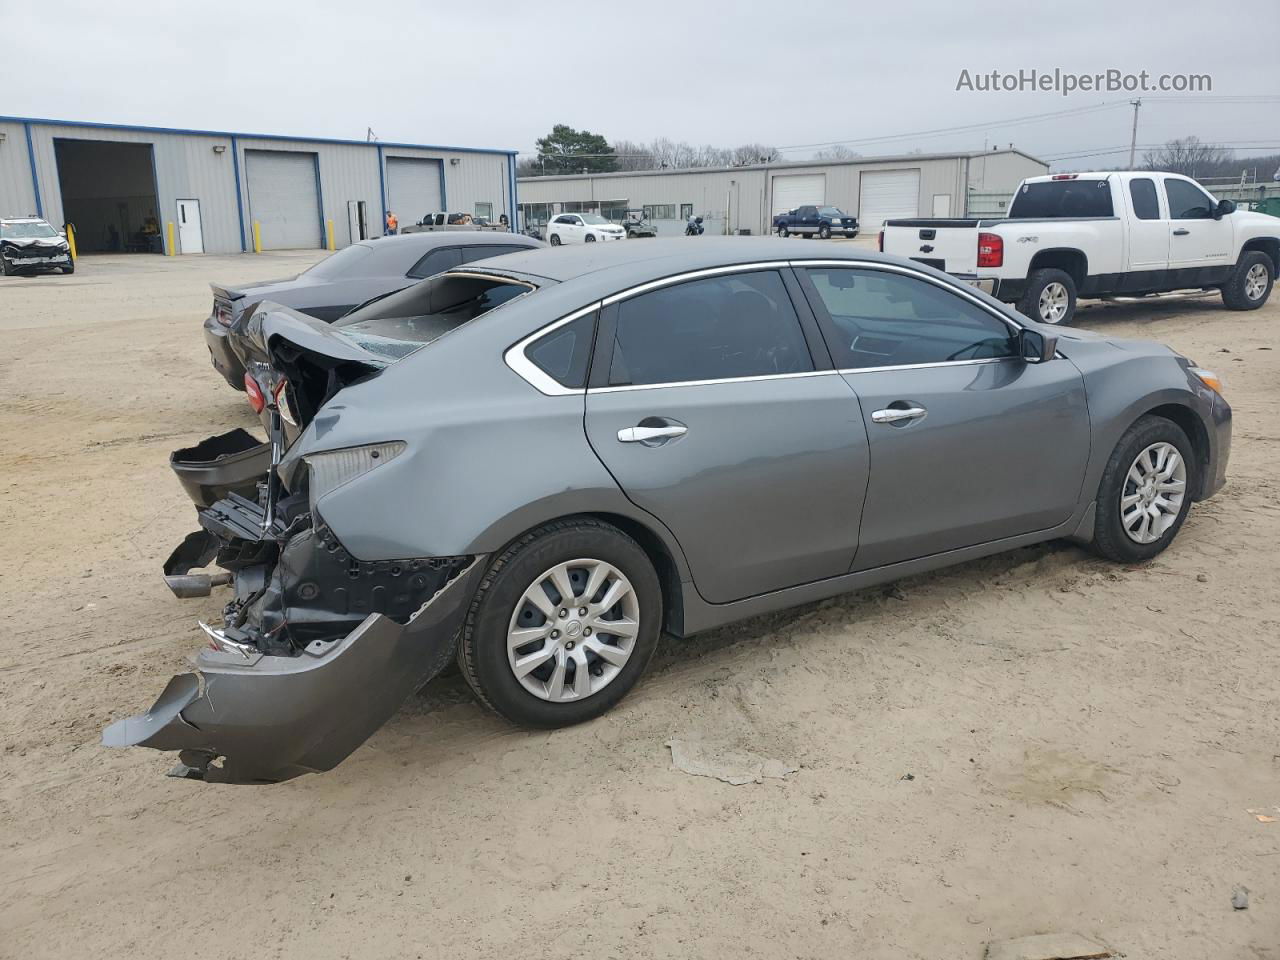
797	190
886	196
413	188
283	198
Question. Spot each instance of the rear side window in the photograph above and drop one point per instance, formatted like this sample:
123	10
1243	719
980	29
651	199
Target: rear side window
436	261
1187	201
484	251
738	325
882	319
1062	198
1145	204
565	353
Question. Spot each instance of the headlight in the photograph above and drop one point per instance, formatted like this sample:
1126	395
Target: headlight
1208	378
329	470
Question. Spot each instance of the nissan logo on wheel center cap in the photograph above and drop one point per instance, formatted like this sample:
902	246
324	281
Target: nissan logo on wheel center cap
572	628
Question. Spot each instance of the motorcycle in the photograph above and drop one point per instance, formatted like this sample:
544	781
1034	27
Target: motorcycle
694	227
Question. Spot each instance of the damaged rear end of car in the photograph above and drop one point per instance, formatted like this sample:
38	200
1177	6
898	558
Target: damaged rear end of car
317	647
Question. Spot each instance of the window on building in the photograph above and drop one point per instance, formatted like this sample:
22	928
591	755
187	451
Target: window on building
1187	201
660	211
883	319
614	210
1145	204
484	210
737	325
686	211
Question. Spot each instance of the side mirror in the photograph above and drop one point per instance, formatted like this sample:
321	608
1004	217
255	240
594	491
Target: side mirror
1223	208
1036	347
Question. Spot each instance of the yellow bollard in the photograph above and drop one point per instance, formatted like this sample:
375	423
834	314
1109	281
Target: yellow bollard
257	237
71	241
329	230
172	249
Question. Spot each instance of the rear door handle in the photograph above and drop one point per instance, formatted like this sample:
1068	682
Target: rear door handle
650	435
1181	232
896	414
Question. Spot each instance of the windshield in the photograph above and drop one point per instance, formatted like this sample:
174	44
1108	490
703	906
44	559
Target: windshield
346	262
1062	198
407	320
26	231
593	218
830	212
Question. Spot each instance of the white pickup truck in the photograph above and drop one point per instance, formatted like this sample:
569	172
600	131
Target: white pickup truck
1099	236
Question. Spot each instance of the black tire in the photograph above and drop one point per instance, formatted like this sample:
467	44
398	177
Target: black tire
824	232
555	240
783	231
1235	294
1109	537
1029	304
8	269
589	238
69	269
482	652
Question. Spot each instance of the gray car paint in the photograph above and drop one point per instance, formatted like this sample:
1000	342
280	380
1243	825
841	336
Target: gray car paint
488	456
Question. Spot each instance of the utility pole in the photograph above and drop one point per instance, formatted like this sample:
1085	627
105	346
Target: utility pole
1133	140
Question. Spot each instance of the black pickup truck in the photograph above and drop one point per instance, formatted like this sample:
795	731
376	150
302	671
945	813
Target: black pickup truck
812	221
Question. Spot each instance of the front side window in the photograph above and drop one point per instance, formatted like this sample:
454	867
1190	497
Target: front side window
1187	201
1146	206
737	325
883	319
565	353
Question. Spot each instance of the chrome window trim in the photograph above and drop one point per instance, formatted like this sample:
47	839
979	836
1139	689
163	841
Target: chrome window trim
529	371
706	383
929	366
692	275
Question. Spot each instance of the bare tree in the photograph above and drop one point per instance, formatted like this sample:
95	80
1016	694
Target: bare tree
1188	156
837	151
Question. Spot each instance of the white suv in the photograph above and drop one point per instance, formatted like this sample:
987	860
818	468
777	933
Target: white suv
582	228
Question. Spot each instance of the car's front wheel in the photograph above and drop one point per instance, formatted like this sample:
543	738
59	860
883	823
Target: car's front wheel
1250	283
563	624
589	238
824	232
1145	491
783	231
555	240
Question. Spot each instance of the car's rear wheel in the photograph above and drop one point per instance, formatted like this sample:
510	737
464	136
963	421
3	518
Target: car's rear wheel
783	231
555	240
824	232
1050	297
563	624
1250	283
7	268
1145	491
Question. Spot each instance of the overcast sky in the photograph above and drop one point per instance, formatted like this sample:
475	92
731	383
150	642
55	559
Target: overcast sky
500	73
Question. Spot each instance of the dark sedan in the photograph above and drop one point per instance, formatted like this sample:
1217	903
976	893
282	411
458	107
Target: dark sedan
360	272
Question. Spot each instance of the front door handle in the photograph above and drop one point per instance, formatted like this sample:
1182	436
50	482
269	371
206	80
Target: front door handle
652	435
1181	232
897	414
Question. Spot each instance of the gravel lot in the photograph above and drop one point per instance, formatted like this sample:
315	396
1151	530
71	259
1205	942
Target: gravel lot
1037	742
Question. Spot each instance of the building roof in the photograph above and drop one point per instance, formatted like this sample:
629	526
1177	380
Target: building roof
250	136
788	164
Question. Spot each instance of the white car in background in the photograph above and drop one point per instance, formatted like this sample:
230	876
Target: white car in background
582	228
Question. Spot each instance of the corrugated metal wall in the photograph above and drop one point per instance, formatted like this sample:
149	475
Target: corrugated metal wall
188	167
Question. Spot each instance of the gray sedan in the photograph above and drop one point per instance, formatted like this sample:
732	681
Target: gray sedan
540	464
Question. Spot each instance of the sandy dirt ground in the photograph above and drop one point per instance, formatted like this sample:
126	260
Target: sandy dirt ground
1037	742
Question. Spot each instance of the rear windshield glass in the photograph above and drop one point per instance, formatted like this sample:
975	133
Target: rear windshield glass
1062	198
397	325
26	231
352	261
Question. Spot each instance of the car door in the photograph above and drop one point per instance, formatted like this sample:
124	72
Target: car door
1196	240
968	442
572	229
807	219
707	407
1149	227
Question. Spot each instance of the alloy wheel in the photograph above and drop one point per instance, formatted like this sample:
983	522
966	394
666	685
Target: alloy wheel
1255	281
1153	491
1053	302
573	630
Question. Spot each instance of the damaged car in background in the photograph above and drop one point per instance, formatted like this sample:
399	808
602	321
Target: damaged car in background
538	464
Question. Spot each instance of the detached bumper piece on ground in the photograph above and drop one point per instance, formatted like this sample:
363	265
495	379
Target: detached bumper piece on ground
318	649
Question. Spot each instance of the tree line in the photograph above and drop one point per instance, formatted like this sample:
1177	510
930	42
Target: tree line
566	150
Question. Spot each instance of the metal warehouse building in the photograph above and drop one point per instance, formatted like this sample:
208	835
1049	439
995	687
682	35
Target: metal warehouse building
162	190
736	199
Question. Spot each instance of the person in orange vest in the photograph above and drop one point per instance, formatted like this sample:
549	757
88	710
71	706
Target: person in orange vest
393	225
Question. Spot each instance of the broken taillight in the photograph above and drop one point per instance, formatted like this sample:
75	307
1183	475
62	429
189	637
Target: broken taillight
281	393
256	398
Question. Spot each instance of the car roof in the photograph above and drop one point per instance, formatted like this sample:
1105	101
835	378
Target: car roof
23	220
449	238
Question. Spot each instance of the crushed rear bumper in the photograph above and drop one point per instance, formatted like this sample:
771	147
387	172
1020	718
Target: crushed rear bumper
244	717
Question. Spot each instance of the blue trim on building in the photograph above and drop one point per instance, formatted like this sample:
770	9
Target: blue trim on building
31	158
160	217
250	136
382	190
324	234
235	165
444	197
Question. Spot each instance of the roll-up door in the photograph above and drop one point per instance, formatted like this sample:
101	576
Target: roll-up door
413	188
887	195
798	190
284	198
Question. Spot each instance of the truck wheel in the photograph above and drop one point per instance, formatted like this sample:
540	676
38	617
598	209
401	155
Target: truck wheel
1050	297
824	232
783	231
1250	283
562	625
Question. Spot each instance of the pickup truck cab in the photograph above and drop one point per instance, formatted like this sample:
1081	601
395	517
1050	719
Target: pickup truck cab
814	221
1100	236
